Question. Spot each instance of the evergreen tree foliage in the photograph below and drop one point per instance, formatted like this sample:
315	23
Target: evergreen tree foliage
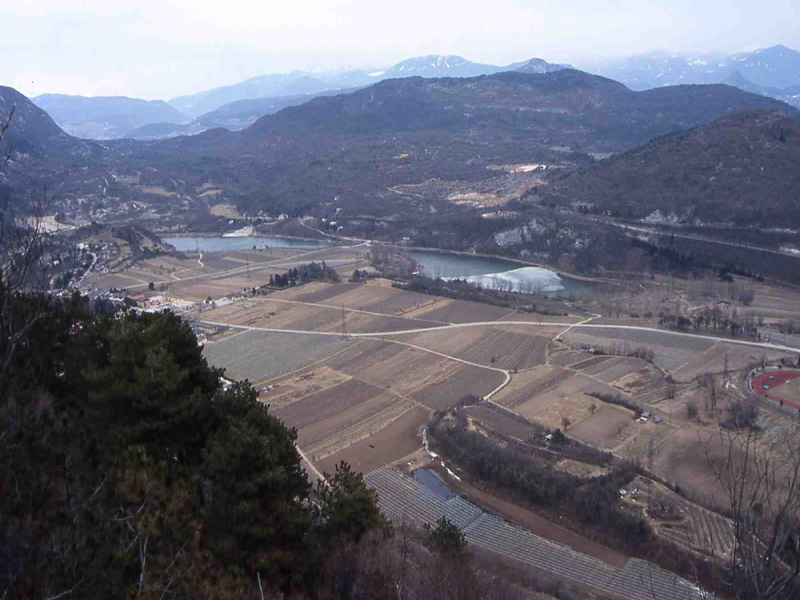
127	470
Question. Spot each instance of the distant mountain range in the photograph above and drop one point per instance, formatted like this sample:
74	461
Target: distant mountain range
298	83
294	83
769	70
105	118
773	72
790	95
235	115
238	106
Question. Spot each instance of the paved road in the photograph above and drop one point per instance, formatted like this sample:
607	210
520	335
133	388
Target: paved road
582	325
700	238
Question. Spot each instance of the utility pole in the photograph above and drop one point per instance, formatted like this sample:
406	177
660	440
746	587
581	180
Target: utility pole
344	324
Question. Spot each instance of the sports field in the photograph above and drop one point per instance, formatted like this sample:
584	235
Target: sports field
780	386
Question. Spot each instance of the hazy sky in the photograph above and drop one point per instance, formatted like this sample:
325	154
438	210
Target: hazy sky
164	48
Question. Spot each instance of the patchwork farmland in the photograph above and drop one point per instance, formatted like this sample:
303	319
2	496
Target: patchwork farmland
358	369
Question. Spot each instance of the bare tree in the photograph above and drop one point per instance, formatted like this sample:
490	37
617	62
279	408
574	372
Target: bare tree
762	497
22	242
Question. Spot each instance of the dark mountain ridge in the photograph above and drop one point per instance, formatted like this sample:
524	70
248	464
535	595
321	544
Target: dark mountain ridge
33	130
359	146
741	169
566	107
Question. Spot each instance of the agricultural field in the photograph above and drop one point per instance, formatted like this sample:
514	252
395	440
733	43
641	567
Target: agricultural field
392	443
689	457
680	521
275	313
581	469
257	355
723	356
525	385
365	400
670	351
501	421
572	409
541	398
646	439
641	381
604	425
505	347
467	380
460	311
344	396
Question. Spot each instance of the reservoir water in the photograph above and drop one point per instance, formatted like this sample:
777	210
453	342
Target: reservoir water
490	273
496	273
221	244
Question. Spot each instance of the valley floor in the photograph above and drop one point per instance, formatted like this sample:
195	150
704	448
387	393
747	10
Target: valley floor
359	369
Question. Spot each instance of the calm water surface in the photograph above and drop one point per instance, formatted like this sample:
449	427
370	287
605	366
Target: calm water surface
220	244
445	265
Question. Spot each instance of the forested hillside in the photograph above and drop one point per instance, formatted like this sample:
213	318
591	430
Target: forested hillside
742	169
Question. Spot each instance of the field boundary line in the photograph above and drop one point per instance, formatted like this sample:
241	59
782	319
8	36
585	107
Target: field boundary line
506	373
311	366
225	339
309	463
584	322
353	310
697	357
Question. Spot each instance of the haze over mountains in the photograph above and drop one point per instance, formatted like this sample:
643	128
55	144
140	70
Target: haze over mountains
239	105
774	67
297	83
773	72
105	118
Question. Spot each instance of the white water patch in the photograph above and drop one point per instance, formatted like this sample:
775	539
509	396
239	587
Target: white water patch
527	280
245	231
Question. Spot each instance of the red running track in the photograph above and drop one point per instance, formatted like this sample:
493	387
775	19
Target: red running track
773	379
